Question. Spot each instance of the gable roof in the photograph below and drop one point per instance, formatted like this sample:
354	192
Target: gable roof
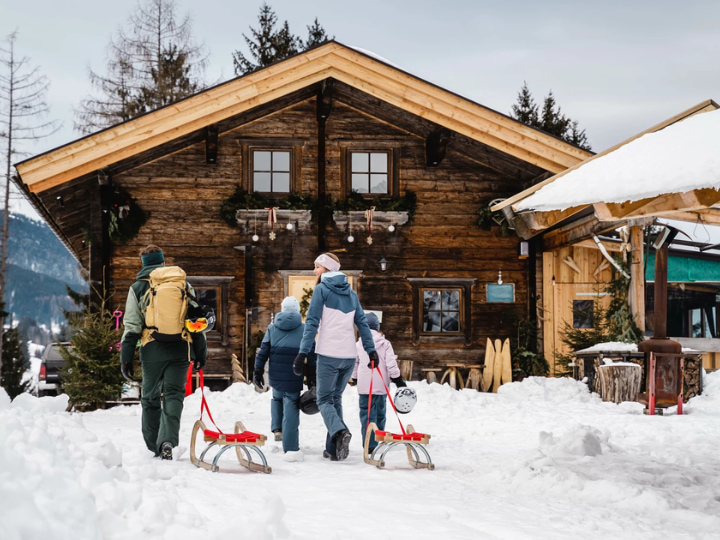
330	60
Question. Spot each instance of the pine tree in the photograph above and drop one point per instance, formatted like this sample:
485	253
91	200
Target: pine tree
15	364
268	45
152	62
91	375
621	323
316	35
550	119
525	110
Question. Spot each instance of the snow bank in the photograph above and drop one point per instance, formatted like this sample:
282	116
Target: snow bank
544	389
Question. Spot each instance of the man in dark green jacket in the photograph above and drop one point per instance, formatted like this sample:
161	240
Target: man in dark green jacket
164	364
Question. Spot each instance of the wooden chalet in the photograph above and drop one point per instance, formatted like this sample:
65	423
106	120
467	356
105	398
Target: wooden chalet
320	124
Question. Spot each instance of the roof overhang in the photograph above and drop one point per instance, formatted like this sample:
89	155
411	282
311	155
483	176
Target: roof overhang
330	60
701	204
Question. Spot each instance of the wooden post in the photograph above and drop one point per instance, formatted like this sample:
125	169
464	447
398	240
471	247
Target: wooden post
636	295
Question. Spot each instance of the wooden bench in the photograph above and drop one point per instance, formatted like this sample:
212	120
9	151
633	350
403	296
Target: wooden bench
474	377
430	374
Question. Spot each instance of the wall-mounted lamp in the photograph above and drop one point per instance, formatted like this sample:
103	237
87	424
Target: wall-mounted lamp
524	250
60	201
103	178
383	264
499	277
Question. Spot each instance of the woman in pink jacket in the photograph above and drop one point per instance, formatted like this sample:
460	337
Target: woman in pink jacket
362	373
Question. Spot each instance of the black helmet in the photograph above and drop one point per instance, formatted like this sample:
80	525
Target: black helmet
308	402
200	318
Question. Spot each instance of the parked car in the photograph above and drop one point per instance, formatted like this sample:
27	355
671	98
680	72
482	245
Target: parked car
49	383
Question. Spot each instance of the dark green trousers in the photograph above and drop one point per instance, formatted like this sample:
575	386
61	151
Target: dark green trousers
163	393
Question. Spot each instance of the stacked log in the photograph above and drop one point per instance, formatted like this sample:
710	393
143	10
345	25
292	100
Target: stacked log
693	377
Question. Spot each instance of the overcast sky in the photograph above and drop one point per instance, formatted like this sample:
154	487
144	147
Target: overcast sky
617	67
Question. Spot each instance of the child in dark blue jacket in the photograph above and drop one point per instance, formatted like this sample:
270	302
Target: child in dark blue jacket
280	345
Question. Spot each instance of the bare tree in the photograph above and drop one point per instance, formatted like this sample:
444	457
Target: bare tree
143	71
22	112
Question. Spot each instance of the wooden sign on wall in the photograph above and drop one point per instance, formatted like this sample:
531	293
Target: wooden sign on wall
500	293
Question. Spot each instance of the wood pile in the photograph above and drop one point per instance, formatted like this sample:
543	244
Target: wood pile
693	377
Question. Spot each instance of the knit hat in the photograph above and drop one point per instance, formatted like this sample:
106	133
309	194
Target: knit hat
373	321
153	259
290	304
328	262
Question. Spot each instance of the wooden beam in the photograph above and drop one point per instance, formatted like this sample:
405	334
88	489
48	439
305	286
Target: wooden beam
539	221
577	232
710	216
211	141
636	293
662	205
436	146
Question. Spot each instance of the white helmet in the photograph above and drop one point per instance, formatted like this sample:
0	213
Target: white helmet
405	399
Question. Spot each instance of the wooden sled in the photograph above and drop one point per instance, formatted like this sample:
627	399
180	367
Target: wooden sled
242	440
414	444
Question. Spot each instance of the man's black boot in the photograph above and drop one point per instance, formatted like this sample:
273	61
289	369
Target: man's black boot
166	450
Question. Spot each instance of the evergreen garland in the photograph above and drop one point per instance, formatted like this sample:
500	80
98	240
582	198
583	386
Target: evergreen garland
357	202
305	301
244	200
126	216
487	218
14	364
91	375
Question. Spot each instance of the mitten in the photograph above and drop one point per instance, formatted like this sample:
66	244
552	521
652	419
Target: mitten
258	378
373	356
353	382
398	382
298	364
126	368
198	364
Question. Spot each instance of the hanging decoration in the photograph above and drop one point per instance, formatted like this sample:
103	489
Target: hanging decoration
255	236
368	219
272	219
350	237
126	216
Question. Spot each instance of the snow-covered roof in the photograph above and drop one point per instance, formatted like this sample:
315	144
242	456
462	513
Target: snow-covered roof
679	158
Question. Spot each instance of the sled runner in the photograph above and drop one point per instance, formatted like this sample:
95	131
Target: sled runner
245	442
413	442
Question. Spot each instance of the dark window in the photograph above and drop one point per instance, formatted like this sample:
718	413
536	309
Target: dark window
441	310
583	313
271	171
370	172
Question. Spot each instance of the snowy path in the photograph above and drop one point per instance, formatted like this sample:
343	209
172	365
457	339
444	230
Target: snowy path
541	459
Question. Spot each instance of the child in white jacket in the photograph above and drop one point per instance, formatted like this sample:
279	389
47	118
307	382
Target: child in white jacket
361	376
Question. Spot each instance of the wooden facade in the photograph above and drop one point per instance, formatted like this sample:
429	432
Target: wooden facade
320	123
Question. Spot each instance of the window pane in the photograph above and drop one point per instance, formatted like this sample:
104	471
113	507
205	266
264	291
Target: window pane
261	161
261	181
281	182
360	162
379	163
583	313
360	183
378	183
431	300
451	321
696	322
281	161
451	300
207	297
431	321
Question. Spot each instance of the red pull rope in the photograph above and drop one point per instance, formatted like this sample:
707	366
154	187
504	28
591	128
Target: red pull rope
387	391
204	404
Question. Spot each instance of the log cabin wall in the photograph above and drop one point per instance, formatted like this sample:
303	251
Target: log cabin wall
183	195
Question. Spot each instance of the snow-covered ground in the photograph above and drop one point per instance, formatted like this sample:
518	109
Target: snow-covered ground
542	459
